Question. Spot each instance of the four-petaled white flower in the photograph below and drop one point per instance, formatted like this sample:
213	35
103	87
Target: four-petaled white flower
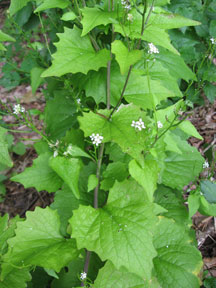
96	139
17	109
55	154
126	4
130	17
213	40
159	124
206	165
52	145
152	49
138	124
83	276
78	101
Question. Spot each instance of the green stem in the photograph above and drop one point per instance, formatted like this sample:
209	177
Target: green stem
45	36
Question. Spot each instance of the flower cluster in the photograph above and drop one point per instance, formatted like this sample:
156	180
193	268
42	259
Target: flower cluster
159	124
126	4
213	40
138	124
152	49
55	147
83	276
206	165
68	151
17	109
96	139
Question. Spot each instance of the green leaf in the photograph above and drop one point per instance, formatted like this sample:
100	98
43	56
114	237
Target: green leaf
179	70
75	151
16	278
210	91
187	127
15	6
40	175
209	191
124	57
92	228
47	4
146	176
110	277
2	48
193	204
176	255
76	54
39	242
92	182
181	169
93	17
59	115
212	28
113	235
173	202
118	130
19	148
209	73
206	208
4	155
145	92
68	169
68	16
36	80
6	37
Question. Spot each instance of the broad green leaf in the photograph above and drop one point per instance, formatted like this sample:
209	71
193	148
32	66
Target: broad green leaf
209	191
187	127
210	91
118	130
171	144
145	92
19	148
2	48
161	2
124	57
6	37
39	175
39	242
75	54
16	278
146	176
206	208
68	16
180	69
59	115
176	255
181	169
173	202
112	231
4	155
36	80
110	277
93	17
193	204
114	171
209	73
92	182
15	6
47	4
68	169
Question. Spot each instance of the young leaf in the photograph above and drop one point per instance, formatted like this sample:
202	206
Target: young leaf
75	54
187	127
146	176
6	37
40	175
47	4
110	231
124	57
36	80
39	242
92	182
193	204
15	6
68	16
209	191
176	255
93	17
68	169
4	155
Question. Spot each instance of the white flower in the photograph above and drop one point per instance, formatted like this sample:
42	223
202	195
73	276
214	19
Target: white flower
83	275
78	101
52	145
152	49
55	154
206	165
17	109
138	124
96	139
130	17
213	40
159	124
126	4
68	151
